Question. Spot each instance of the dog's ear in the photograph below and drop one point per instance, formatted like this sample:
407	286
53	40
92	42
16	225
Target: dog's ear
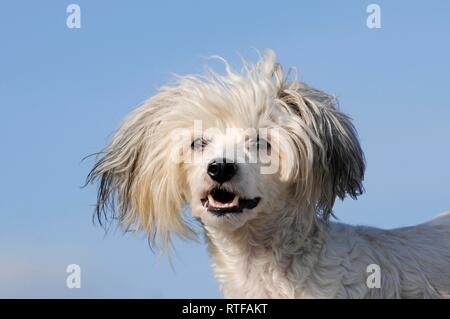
337	159
342	164
138	184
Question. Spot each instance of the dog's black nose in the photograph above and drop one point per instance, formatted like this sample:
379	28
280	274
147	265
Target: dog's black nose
222	171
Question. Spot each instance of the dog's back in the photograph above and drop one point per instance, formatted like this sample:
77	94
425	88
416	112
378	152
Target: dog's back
430	245
413	262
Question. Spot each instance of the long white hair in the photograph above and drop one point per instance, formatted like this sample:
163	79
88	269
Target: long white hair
321	158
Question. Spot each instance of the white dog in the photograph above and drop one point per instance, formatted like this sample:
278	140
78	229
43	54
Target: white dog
264	206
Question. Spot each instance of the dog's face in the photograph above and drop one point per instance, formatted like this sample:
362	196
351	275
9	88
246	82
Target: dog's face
232	173
233	148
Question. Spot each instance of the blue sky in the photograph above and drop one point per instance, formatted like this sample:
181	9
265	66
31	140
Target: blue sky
64	91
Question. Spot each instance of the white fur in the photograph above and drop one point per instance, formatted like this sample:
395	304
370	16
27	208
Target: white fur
285	247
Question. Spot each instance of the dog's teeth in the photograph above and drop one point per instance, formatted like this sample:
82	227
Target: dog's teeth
215	203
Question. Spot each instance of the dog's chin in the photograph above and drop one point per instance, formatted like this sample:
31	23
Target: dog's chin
224	208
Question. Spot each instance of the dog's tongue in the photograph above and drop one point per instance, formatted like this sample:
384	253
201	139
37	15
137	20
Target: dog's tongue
223	197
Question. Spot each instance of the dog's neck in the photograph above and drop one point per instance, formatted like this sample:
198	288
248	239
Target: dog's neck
267	246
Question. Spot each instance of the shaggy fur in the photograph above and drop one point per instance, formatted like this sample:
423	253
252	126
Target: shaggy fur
286	246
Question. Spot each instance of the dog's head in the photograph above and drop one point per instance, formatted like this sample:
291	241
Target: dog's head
234	148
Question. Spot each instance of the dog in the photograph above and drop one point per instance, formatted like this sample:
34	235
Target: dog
259	158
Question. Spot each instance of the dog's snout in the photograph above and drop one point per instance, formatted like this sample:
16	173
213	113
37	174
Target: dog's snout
222	172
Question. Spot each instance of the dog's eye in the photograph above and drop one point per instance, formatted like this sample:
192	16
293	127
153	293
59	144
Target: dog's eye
199	143
262	144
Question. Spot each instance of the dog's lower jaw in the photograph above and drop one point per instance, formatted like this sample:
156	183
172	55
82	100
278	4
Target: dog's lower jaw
332	261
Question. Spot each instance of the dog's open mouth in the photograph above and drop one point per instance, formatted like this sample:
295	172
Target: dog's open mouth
221	202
